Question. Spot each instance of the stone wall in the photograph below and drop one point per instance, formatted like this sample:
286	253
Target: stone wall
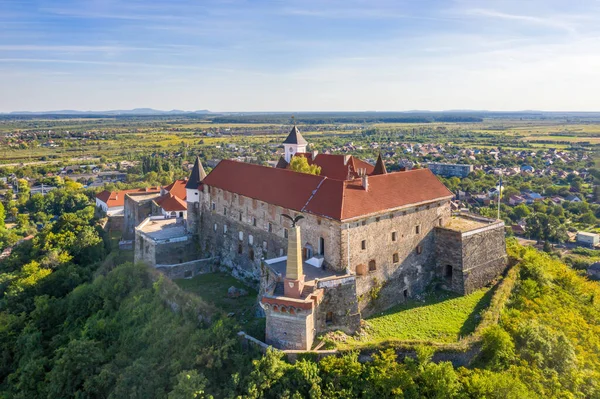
188	269
152	253
289	331
136	209
484	257
474	257
262	231
383	278
338	309
449	255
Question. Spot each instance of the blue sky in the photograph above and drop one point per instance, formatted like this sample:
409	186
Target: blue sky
299	55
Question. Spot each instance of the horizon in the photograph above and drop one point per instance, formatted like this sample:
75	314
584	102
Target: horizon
311	56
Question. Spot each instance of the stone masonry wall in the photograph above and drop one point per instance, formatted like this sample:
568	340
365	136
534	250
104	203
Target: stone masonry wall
262	231
390	280
286	331
135	212
484	258
188	269
338	309
449	253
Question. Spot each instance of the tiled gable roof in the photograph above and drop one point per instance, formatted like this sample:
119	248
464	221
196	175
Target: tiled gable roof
336	166
177	188
324	196
171	203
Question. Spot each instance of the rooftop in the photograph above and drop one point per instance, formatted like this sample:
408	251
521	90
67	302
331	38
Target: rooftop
468	222
311	272
163	229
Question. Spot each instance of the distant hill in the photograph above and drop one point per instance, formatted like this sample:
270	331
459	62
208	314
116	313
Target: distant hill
135	111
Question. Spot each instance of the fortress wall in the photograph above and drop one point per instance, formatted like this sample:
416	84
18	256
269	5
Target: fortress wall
484	258
385	286
338	310
226	244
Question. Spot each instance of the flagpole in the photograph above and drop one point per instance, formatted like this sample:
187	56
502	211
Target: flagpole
499	196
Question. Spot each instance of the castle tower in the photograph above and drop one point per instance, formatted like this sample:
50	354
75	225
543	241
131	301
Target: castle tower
293	144
193	190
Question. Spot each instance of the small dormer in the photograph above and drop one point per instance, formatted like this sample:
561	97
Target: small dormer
293	144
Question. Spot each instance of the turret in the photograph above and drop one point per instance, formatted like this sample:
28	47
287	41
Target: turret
193	190
293	144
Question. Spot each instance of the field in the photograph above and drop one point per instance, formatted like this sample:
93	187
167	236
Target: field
212	288
441	317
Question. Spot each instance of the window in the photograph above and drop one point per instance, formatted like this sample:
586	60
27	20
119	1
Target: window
215	227
264	245
224	211
251	254
241	235
254	222
321	246
213	206
209	189
405	292
448	272
394	236
240	248
395	258
418	229
363	244
270	227
440	222
250	239
281	252
372	265
329	318
419	249
224	229
285	233
240	216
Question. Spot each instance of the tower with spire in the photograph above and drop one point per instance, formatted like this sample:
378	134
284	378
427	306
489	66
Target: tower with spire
194	191
294	143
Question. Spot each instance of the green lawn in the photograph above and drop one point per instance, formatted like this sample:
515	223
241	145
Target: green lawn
212	288
441	317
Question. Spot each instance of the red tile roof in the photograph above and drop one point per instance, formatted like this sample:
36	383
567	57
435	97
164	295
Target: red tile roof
117	198
336	166
324	196
280	187
177	188
171	203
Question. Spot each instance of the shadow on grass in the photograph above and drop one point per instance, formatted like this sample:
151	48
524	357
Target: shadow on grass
475	316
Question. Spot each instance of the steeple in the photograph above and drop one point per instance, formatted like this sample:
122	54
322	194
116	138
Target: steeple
198	174
379	167
293	144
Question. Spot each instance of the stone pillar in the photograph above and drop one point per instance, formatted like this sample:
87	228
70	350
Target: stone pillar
294	275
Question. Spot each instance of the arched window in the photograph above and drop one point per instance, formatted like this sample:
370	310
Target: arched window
329	318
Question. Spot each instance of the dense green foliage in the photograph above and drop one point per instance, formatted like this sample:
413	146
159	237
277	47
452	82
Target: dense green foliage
72	325
300	164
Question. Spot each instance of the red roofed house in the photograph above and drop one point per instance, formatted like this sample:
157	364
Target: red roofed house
315	244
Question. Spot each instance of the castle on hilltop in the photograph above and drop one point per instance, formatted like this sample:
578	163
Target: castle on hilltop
324	250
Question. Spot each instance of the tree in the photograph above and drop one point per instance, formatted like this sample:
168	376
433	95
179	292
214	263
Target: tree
300	164
520	211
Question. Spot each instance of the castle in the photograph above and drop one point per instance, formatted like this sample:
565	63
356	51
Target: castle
324	250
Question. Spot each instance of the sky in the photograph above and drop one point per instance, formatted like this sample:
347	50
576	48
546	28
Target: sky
300	55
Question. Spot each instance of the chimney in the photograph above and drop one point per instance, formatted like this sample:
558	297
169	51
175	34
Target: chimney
314	154
365	180
294	275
